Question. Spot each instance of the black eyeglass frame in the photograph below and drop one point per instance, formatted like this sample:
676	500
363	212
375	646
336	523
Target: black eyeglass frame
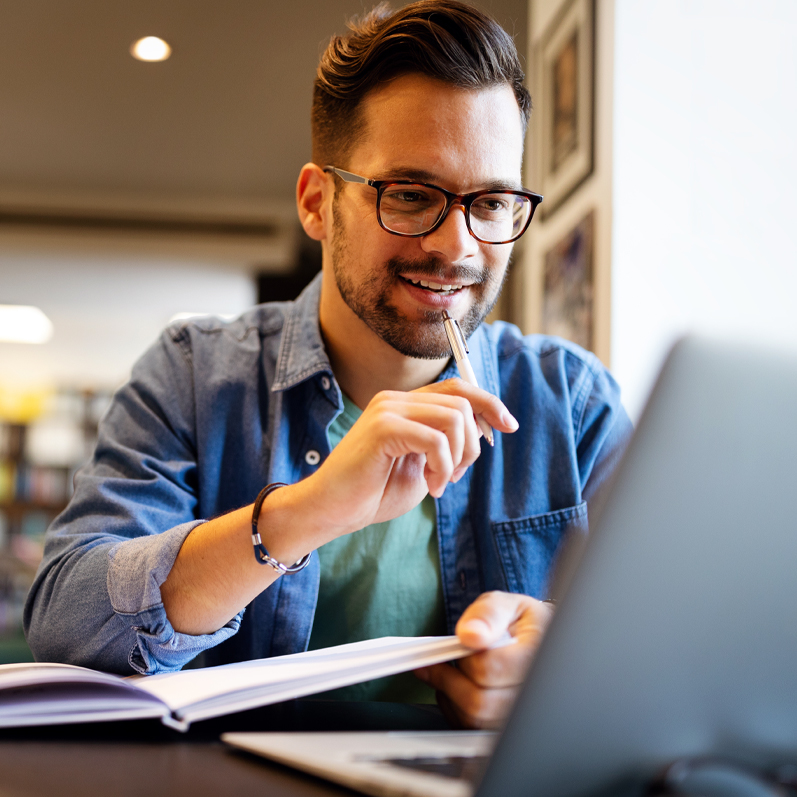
466	200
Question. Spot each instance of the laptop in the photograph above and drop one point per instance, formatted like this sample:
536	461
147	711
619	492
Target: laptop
675	633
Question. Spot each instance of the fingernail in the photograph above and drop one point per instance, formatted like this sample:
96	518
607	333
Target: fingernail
509	420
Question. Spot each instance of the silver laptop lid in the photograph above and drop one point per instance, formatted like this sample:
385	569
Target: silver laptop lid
677	635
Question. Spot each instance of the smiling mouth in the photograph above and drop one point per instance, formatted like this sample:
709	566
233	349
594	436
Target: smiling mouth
435	287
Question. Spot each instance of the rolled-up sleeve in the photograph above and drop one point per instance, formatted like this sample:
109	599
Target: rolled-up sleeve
96	598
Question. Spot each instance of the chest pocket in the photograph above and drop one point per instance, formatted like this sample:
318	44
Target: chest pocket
529	545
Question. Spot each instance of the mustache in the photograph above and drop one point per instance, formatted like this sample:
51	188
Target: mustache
433	268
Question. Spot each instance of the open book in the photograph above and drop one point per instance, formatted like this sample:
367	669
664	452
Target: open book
51	694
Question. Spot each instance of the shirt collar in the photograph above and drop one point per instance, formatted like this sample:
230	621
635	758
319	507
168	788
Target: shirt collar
302	353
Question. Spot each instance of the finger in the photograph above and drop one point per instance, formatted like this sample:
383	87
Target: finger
429	408
474	706
493	614
400	436
446	397
449	420
490	407
498	613
499	668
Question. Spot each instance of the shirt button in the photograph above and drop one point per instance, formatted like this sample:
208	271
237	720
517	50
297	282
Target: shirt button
312	457
325	383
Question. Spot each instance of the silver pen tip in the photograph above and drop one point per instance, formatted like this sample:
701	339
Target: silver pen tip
446	316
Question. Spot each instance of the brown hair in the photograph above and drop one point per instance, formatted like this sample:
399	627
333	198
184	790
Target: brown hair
444	39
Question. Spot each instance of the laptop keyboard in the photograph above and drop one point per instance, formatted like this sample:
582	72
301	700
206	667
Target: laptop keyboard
467	768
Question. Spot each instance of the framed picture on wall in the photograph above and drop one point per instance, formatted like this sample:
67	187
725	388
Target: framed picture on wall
569	286
565	71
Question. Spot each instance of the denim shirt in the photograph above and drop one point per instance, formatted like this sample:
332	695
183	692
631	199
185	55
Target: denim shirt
215	410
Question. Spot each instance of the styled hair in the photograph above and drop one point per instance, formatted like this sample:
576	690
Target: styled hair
443	39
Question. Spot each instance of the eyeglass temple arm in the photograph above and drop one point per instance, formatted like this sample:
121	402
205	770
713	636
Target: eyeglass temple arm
348	176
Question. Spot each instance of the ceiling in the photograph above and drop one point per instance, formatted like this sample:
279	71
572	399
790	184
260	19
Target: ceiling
226	116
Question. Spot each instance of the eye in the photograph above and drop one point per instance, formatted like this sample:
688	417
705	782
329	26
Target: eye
492	204
407	195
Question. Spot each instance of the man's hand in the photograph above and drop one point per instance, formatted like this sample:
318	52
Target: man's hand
402	446
479	691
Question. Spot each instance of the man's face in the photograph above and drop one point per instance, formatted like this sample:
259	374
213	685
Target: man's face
421	129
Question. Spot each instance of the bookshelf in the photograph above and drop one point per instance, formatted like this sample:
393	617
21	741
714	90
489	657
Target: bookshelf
38	461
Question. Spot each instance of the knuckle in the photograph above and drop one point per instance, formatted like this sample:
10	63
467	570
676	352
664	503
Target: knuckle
382	397
464	407
383	423
453	384
492	596
439	446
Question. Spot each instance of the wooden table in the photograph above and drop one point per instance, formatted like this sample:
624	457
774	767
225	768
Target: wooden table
145	759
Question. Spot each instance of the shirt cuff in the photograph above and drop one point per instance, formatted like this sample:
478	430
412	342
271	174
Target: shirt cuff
137	568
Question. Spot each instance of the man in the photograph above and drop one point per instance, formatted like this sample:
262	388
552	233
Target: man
348	398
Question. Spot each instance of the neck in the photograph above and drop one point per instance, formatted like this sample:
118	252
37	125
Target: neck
362	362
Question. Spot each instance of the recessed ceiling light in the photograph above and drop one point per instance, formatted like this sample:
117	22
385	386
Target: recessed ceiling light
21	323
150	48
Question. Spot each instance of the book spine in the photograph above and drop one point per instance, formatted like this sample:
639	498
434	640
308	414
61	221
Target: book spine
175	723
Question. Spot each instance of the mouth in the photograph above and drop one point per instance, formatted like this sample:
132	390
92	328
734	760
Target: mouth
442	289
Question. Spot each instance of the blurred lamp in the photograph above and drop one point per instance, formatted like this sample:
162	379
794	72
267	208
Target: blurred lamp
24	324
150	48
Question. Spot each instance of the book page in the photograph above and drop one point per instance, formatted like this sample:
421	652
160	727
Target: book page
41	693
195	694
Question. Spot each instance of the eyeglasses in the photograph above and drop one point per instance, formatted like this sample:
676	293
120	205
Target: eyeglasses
404	207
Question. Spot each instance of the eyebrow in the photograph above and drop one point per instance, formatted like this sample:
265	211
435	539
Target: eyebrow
423	176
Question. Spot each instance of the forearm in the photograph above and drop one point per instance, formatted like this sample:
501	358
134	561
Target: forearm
96	601
215	574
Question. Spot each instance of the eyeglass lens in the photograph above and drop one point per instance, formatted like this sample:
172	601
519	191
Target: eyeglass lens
415	209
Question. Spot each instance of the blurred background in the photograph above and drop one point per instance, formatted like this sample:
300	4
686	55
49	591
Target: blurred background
133	191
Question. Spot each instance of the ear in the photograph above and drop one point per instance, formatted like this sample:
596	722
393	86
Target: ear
312	190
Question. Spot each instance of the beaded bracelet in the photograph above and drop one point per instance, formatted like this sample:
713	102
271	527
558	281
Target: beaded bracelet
262	556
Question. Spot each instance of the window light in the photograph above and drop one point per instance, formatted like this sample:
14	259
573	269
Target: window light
24	324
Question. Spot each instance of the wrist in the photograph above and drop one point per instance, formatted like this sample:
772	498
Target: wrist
262	556
292	522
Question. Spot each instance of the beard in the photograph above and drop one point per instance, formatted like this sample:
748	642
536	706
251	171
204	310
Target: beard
424	338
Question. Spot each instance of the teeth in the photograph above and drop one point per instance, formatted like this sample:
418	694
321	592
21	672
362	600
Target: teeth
434	286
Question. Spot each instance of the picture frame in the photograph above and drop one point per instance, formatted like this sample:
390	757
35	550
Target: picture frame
568	296
565	100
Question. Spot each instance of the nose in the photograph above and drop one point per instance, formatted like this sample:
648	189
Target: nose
451	239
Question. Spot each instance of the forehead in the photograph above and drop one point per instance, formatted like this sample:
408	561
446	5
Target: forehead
462	138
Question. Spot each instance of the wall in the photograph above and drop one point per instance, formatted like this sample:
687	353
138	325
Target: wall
705	169
595	193
106	310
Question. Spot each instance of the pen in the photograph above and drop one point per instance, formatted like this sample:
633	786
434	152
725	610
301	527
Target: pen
460	349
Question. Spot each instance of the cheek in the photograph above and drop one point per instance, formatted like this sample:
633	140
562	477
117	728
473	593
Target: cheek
497	261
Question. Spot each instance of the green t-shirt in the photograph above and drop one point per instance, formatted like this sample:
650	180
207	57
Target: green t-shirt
383	580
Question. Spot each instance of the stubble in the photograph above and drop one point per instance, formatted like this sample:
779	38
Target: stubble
422	338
